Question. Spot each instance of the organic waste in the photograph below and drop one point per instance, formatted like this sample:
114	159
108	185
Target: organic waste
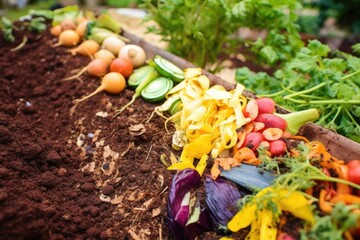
123	189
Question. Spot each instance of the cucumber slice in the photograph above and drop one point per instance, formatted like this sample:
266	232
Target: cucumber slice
140	75
156	90
175	107
168	69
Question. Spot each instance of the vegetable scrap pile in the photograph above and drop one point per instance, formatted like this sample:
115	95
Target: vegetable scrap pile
244	173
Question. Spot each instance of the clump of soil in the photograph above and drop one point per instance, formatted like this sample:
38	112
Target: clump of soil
75	172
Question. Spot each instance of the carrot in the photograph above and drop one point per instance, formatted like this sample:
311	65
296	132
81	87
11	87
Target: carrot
324	205
244	154
345	198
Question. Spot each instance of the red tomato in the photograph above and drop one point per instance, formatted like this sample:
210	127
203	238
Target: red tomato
123	66
354	171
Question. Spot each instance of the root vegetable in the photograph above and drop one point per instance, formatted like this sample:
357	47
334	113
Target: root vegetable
105	55
253	140
122	66
56	30
113	44
96	67
272	121
67	25
251	110
277	147
81	28
266	105
272	134
68	38
113	83
134	53
86	48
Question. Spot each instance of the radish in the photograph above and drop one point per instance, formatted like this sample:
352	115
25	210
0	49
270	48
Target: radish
96	67
56	30
134	53
86	48
272	121
253	140
81	28
122	66
68	38
113	83
113	44
251	110
277	148
105	55
266	105
67	25
272	134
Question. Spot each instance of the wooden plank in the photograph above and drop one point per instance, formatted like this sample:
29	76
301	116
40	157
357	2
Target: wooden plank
339	146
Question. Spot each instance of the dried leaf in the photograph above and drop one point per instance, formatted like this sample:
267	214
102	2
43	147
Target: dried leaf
102	114
134	235
105	198
80	140
100	143
96	135
110	153
127	149
108	168
148	203
117	199
156	212
137	130
90	167
161	179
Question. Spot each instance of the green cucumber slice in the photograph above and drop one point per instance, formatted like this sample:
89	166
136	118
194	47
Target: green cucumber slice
168	69
140	75
175	107
156	90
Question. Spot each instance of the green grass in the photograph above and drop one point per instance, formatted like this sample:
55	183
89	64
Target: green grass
14	13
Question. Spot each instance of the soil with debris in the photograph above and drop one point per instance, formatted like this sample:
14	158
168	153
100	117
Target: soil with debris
75	172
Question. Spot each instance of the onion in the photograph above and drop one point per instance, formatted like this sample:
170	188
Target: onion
134	54
113	44
86	48
105	55
112	82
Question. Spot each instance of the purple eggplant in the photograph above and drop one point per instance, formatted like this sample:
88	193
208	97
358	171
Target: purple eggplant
187	218
221	200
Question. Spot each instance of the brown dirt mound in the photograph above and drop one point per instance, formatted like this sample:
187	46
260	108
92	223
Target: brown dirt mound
71	172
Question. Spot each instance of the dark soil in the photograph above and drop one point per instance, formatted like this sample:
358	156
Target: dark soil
75	172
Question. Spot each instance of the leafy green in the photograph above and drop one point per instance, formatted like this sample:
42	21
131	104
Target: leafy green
68	12
315	78
108	22
7	28
37	24
332	226
202	30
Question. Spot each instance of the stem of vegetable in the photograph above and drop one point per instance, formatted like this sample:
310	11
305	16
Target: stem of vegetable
350	75
330	101
296	120
147	79
21	45
306	90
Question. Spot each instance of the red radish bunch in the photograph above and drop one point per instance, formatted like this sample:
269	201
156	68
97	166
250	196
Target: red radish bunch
265	128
